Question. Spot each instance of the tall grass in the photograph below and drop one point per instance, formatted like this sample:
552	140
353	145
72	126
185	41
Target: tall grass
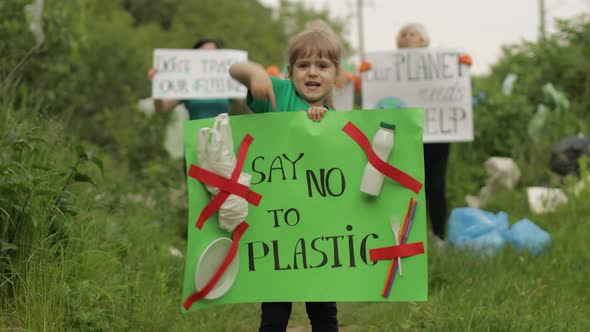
102	261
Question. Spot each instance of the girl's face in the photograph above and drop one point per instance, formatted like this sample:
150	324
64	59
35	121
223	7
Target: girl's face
313	78
410	38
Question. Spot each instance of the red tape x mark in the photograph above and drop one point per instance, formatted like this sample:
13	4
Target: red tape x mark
238	232
402	250
227	186
383	167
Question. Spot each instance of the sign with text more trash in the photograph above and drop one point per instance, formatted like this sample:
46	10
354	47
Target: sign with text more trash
429	78
311	235
196	74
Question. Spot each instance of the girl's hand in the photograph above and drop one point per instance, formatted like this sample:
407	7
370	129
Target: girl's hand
256	79
151	73
261	89
316	113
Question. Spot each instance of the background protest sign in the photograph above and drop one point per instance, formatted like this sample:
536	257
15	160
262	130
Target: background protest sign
431	79
309	237
344	97
196	74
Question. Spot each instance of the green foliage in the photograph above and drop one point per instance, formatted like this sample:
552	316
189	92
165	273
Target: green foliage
92	66
562	59
145	11
34	200
550	75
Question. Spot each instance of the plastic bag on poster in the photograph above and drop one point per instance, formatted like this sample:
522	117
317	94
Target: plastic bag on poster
215	152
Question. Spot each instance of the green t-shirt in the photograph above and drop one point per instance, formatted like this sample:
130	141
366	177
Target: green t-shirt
286	97
205	108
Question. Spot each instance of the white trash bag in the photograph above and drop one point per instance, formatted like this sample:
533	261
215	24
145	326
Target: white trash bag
216	154
503	173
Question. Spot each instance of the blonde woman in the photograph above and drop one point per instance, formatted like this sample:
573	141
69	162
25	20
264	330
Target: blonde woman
436	155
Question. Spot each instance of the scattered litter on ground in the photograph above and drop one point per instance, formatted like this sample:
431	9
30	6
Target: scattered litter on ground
565	154
487	233
174	252
543	200
504	173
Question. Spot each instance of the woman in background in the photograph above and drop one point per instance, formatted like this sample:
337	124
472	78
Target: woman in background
199	108
436	155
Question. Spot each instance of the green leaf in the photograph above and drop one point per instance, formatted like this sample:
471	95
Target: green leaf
99	164
5	246
8	217
90	155
47	192
79	177
41	167
37	139
68	209
81	152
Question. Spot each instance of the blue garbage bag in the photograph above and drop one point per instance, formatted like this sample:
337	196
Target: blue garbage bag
525	234
478	230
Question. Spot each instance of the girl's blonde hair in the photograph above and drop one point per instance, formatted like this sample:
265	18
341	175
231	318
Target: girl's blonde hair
421	31
313	42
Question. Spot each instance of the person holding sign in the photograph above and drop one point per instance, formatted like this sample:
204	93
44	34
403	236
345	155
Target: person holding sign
197	108
313	67
436	155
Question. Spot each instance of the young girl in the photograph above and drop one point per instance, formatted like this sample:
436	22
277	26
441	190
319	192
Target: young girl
436	155
313	58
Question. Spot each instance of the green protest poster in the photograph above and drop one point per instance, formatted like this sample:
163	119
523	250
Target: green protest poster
309	237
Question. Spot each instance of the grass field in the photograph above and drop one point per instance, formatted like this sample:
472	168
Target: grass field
93	212
109	268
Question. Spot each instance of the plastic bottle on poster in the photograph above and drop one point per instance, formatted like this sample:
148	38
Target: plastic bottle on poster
372	179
